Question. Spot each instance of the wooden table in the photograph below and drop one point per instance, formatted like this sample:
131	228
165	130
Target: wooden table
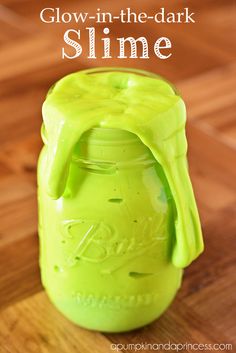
203	69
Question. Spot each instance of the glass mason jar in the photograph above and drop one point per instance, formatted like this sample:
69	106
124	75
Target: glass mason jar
105	244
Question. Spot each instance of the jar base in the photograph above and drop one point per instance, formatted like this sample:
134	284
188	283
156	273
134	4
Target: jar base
112	320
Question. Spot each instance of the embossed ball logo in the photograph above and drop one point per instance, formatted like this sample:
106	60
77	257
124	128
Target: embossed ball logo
97	241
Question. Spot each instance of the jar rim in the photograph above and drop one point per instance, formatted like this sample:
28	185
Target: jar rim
121	69
128	70
102	69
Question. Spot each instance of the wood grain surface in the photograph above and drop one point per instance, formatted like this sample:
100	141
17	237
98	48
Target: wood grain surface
203	68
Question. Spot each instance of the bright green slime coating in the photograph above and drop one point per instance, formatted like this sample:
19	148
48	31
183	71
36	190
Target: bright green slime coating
149	108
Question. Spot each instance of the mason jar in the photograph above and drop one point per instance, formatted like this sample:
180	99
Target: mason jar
105	244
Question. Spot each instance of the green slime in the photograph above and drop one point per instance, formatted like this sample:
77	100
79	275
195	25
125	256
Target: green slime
145	106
